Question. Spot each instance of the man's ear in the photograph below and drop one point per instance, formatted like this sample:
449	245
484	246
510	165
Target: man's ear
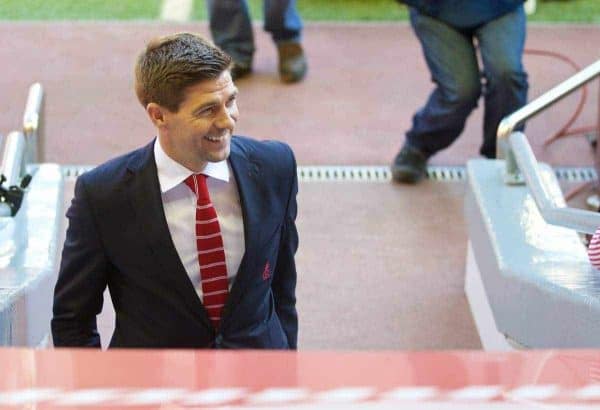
157	114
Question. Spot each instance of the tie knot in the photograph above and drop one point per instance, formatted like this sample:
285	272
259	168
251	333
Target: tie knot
197	183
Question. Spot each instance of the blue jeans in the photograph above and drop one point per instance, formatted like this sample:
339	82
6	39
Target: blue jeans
231	27
452	60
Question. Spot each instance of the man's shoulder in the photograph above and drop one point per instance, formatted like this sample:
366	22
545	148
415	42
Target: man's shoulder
274	158
114	169
262	149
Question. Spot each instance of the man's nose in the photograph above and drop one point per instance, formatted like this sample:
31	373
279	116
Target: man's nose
227	119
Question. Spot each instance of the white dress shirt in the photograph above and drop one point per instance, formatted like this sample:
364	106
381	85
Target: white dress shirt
179	204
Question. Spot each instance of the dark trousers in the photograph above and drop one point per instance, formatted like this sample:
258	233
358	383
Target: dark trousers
452	60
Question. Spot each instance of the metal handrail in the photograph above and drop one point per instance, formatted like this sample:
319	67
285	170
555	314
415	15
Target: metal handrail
20	150
12	165
33	122
509	123
554	212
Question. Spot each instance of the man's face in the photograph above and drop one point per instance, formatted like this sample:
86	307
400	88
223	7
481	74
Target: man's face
201	130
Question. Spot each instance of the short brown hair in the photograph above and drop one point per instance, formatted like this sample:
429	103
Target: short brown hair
170	64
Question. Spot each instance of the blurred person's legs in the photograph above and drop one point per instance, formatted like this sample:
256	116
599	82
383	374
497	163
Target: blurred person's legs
231	29
501	44
452	61
285	25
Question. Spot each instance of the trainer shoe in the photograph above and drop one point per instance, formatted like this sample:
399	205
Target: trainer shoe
240	70
292	62
409	166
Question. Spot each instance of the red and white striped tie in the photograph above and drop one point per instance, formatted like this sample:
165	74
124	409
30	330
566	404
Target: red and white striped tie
211	254
594	250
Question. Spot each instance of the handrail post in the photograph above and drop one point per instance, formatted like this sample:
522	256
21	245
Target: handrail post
12	165
512	175
33	123
19	151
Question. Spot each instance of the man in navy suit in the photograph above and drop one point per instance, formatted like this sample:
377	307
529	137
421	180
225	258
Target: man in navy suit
141	225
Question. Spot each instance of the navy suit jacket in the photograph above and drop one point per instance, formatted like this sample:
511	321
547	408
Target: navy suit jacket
118	237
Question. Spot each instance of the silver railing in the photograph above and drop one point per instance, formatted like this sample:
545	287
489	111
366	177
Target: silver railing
20	149
12	170
509	123
522	166
33	123
12	165
554	212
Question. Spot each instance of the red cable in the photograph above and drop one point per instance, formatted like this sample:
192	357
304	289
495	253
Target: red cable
564	129
578	189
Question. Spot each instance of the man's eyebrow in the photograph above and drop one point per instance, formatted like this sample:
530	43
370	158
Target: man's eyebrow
205	105
213	102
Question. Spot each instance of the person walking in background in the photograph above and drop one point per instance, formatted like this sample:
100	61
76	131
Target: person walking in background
231	30
194	234
450	33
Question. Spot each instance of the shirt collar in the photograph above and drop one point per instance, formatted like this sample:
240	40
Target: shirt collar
171	173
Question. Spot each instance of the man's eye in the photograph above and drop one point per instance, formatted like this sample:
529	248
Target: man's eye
205	112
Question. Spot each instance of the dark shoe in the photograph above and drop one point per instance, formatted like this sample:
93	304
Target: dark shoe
292	62
410	165
240	70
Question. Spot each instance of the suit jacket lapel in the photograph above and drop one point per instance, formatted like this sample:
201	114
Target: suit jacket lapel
145	197
246	173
